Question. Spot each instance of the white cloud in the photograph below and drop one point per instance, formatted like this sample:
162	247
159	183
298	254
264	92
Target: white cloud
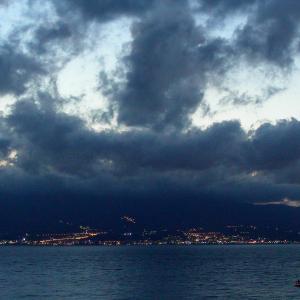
285	202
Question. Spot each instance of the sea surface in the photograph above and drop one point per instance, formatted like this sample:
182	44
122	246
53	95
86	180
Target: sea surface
154	272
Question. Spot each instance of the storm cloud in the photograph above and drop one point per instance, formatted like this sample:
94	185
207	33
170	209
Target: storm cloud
147	157
17	69
167	69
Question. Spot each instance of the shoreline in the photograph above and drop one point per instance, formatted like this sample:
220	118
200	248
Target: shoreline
151	245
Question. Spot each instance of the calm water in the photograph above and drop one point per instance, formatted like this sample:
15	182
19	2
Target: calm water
165	272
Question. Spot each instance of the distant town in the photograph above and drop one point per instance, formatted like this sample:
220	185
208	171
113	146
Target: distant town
129	235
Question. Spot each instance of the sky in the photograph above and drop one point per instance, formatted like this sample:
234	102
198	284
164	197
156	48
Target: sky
177	112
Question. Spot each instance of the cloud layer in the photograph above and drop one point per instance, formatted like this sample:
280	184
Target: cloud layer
154	162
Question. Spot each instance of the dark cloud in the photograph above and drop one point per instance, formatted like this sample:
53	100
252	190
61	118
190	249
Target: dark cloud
108	9
160	167
277	27
270	33
17	69
167	69
50	141
235	98
4	2
222	7
161	82
277	145
5	140
71	167
47	36
58	142
24	62
31	54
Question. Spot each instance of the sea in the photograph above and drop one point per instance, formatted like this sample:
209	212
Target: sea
150	272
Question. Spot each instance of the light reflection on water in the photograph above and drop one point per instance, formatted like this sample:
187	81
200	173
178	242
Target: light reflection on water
155	272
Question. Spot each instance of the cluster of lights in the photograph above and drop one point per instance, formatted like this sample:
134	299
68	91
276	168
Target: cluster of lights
190	237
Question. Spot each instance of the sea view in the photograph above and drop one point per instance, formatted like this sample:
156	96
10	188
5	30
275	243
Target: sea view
149	149
153	272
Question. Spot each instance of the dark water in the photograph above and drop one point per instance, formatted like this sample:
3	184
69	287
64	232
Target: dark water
164	272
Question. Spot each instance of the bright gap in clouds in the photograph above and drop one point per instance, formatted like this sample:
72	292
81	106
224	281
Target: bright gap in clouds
250	84
268	95
79	79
